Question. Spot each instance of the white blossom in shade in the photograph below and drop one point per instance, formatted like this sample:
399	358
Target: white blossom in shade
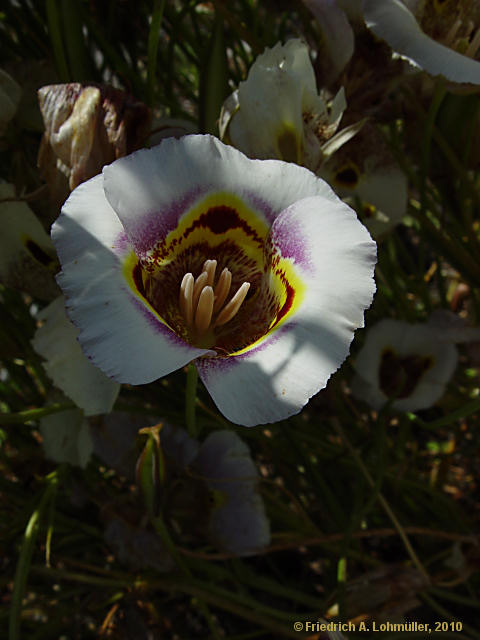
69	369
136	547
364	169
277	111
27	256
337	43
238	522
408	365
10	94
191	251
440	37
66	437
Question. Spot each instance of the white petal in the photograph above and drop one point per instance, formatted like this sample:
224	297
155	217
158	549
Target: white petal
271	103
335	257
178	445
386	189
26	251
66	437
392	21
406	340
341	138
239	525
337	42
151	189
229	108
381	184
118	331
224	457
68	367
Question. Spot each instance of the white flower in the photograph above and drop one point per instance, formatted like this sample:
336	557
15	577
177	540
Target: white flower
141	247
238	522
69	369
394	21
26	252
278	113
409	364
365	169
337	42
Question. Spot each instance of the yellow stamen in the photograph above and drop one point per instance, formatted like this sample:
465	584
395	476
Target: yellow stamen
200	282
203	314
201	303
209	267
221	290
233	306
185	298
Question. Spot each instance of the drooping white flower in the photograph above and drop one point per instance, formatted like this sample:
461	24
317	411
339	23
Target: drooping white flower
277	111
337	41
420	42
364	169
191	251
409	365
210	487
69	369
238	522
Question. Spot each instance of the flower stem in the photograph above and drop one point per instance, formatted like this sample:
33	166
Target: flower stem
190	400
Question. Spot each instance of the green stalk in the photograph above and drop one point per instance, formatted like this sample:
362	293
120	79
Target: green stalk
25	558
190	400
34	414
153	40
55	33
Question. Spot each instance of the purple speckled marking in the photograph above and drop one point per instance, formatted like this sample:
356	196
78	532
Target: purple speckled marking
209	366
288	235
122	244
256	203
159	327
156	325
157	225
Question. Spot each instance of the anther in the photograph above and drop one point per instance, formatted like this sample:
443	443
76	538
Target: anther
450	37
221	290
209	267
186	298
474	45
200	282
203	314
233	306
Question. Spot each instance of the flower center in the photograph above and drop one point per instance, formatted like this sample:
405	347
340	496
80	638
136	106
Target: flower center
399	375
202	302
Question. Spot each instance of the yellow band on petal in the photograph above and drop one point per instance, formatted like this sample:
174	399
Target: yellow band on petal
132	272
217	217
290	290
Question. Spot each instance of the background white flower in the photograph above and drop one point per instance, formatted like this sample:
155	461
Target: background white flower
69	369
405	364
394	21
